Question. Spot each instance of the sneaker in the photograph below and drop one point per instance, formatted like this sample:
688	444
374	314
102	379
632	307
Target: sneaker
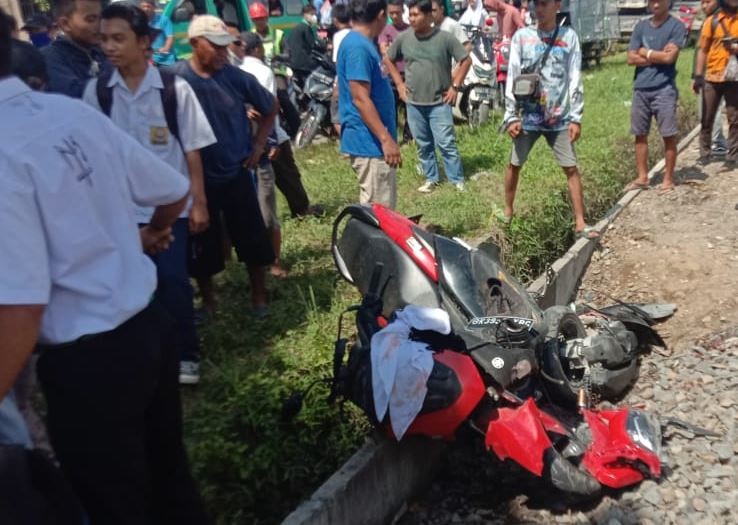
189	373
428	187
719	150
459	186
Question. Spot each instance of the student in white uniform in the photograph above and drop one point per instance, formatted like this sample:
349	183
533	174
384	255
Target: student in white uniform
76	282
133	95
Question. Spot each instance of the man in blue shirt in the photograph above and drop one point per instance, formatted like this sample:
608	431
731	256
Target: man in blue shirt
223	92
367	106
163	43
654	49
75	57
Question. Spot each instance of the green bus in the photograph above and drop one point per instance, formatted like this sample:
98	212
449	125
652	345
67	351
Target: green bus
180	12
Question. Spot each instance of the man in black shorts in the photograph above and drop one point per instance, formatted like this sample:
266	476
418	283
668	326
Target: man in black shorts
223	92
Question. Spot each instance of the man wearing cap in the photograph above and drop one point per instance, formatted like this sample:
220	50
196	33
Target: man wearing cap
77	286
223	91
273	39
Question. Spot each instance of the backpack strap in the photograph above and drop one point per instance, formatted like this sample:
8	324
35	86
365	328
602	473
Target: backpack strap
104	92
169	102
714	22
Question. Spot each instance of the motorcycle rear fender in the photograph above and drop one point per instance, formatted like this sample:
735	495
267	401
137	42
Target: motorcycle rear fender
519	434
612	455
445	422
401	230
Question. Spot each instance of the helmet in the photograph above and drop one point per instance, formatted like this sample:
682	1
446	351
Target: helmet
258	10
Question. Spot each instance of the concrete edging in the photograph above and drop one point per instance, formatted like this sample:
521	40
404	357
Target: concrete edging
558	285
372	486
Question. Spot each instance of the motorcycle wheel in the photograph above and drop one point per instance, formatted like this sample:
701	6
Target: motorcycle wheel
478	115
563	382
308	129
565	476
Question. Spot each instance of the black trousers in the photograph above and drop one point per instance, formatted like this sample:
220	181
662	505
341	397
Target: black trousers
287	178
115	422
712	93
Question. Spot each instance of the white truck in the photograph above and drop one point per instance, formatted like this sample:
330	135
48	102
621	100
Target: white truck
596	23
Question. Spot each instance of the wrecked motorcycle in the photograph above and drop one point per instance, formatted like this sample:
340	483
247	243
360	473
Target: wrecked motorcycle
487	305
506	367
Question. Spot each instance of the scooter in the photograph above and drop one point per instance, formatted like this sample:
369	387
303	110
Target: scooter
488	373
317	92
487	304
476	100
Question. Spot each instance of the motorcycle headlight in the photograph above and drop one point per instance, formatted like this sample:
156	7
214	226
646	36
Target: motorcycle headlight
645	431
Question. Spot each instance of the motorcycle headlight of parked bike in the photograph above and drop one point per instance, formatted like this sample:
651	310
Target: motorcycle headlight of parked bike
645	431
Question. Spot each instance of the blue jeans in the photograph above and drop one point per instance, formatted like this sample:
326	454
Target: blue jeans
434	126
174	291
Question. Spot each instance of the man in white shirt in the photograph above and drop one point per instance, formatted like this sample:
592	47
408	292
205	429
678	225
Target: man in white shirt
448	24
342	23
133	96
253	62
76	282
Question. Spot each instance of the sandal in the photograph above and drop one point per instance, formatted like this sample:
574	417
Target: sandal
503	219
635	185
588	232
664	191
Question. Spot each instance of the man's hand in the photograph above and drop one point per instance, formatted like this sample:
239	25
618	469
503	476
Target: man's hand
402	92
253	114
155	241
256	154
514	128
273	153
575	131
391	152
450	96
199	217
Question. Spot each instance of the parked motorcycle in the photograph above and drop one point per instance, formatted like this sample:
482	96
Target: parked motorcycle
493	372
316	98
477	99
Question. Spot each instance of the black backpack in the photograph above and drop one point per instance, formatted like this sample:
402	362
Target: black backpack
168	98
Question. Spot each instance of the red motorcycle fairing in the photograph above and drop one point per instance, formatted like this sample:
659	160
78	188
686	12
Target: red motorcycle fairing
613	456
444	423
400	229
520	434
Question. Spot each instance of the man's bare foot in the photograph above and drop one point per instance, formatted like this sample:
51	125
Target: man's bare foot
636	185
278	271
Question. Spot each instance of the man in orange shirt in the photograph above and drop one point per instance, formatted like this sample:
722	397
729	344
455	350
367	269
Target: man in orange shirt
718	47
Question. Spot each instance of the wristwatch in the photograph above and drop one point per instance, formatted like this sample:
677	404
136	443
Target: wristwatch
457	87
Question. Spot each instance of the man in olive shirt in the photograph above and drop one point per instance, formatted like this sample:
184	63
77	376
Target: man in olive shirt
429	91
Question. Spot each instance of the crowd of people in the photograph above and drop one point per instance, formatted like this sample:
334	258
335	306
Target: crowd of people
113	202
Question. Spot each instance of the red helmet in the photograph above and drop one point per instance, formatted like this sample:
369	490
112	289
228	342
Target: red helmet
258	10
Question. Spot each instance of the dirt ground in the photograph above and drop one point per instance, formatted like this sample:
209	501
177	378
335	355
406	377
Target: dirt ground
681	248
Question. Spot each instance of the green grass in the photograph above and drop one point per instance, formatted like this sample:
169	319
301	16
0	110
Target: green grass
252	466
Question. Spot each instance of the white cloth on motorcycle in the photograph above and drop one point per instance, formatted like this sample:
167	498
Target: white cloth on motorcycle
401	366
